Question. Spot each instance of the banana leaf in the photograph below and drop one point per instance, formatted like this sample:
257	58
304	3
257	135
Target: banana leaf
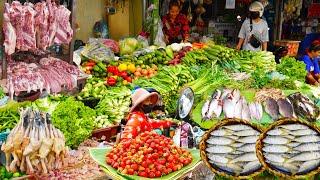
99	154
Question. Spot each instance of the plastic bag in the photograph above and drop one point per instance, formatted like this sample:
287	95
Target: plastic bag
100	30
97	51
159	40
112	44
143	41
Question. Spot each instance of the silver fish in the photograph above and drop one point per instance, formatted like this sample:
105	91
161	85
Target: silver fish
256	111
220	141
285	108
271	107
276	140
215	107
294	127
218	158
278	132
308	147
309	166
221	132
220	149
287	167
276	149
245	158
308	139
251	132
225	93
251	167
205	109
228	108
245	110
238	109
247	148
237	127
248	139
231	168
304	132
305	156
275	158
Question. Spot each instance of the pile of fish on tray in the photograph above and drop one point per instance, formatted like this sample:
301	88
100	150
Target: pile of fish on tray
295	105
292	149
233	105
35	144
231	149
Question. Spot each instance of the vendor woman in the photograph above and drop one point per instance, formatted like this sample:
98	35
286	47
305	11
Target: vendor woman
311	59
143	103
175	25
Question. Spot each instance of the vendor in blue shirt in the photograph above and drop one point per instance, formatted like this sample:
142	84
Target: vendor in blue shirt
311	59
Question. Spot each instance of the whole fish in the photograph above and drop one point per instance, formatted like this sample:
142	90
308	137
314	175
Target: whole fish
275	158
303	132
271	108
236	145
218	158
238	127
238	109
276	149
248	139
215	106
245	158
232	137
308	139
225	93
293	144
276	140
245	110
205	109
247	148
286	167
228	108
221	132
233	167
309	166
294	127
308	147
220	141
278	132
220	149
305	156
256	111
251	167
285	108
251	132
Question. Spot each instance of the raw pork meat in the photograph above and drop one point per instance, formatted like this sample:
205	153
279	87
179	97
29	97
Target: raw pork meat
10	37
64	31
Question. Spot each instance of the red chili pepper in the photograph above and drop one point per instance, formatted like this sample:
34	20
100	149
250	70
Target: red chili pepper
129	79
111	81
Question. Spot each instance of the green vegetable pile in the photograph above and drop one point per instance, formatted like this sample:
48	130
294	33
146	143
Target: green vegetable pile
113	107
294	69
5	175
157	56
168	81
10	115
250	61
94	88
75	120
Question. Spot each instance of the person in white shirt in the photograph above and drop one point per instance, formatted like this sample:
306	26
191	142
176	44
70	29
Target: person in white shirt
254	33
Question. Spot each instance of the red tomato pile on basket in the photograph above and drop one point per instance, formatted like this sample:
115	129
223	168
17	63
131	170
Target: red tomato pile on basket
148	155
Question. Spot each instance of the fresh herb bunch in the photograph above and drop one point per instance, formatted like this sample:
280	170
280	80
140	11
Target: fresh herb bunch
294	69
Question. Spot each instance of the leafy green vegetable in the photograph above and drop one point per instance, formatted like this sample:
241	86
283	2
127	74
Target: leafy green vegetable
260	79
113	106
10	115
2	94
294	69
75	120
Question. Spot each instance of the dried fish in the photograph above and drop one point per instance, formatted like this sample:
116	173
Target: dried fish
248	157
308	147
276	149
220	149
285	108
220	141
276	140
271	107
309	166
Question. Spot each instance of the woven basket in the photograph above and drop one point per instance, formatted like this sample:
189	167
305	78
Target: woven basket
262	159
207	135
